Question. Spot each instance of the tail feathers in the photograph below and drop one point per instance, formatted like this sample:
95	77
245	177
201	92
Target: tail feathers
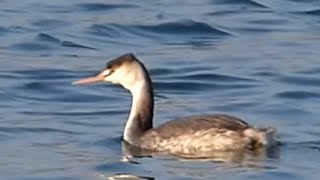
261	137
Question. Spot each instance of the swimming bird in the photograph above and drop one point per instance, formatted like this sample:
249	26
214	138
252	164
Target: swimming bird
194	136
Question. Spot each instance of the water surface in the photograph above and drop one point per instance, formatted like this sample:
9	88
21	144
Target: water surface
256	59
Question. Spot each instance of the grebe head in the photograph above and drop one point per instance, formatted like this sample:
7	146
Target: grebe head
126	70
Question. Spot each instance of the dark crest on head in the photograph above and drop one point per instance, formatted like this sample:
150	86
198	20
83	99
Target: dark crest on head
115	63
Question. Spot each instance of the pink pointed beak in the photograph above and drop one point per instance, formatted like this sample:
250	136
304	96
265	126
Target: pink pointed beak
89	80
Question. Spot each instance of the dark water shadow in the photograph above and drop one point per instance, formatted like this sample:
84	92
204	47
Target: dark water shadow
133	157
44	42
94	7
250	3
185	32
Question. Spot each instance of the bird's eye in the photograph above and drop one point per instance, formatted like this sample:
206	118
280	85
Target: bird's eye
107	72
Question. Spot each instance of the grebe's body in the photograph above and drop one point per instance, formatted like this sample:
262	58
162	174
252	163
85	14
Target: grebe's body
195	136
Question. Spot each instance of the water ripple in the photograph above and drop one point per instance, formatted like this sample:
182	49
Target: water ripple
45	42
177	28
184	86
102	6
315	12
16	130
46	74
113	143
80	113
54	177
3	31
161	71
300	80
298	95
50	23
48	38
256	59
182	27
75	45
213	77
312	145
30	46
116	167
250	3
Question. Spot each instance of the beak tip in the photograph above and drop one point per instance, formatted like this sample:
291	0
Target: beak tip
78	82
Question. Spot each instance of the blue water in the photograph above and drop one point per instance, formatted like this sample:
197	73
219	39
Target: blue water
255	59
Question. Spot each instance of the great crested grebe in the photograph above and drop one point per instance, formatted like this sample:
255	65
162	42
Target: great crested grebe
195	136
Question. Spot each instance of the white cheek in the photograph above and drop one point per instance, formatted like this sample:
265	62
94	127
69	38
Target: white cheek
110	78
115	77
123	77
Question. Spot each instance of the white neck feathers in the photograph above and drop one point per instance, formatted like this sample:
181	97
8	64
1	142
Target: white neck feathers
140	118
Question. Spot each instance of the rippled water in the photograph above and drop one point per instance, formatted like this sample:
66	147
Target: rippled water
256	59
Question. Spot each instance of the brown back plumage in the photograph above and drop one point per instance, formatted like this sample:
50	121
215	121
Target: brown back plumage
202	122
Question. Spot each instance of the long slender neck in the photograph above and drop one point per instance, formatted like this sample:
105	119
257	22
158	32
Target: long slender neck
141	114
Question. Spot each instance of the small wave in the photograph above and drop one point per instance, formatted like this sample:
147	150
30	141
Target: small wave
182	27
89	113
48	38
265	73
47	74
10	75
214	77
109	142
186	87
161	71
87	123
269	22
38	86
50	178
4	137
50	23
178	28
53	94
30	46
250	3
225	12
16	130
83	97
182	86
44	41
298	94
300	80
312	145
312	70
20	29
3	31
115	166
75	45
315	12
187	32
284	111
102	6
260	29
109	30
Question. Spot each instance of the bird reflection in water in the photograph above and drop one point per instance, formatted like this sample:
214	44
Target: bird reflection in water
245	160
272	152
